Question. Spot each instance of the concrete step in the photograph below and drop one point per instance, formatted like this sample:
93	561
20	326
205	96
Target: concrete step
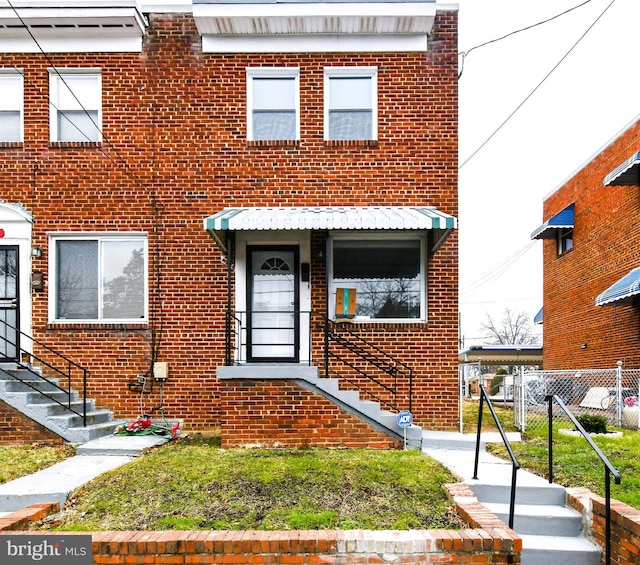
545	494
49	407
559	550
540	519
55	409
33	397
71	420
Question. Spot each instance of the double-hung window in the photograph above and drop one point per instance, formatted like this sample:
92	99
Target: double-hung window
11	106
273	104
350	103
386	273
99	277
75	105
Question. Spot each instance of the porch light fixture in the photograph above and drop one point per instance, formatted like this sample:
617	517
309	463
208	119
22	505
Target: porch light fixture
36	252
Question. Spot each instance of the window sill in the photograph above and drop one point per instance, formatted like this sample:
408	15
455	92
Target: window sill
375	321
75	144
273	143
11	144
351	142
75	325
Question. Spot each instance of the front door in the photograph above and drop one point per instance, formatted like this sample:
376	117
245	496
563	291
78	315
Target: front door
273	299
9	302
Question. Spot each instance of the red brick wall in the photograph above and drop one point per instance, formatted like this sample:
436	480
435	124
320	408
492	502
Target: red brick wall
606	247
175	152
625	525
471	546
16	428
281	414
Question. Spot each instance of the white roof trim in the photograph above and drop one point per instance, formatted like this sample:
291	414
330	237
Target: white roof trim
357	18
315	44
96	26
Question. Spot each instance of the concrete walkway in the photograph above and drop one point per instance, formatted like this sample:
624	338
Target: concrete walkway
456	451
56	483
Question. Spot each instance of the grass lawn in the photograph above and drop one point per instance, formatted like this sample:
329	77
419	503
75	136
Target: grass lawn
575	463
193	484
17	461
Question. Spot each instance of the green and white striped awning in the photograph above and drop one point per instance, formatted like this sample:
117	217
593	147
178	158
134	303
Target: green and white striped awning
330	218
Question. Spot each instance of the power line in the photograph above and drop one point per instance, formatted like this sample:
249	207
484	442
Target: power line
98	128
536	88
497	270
463	54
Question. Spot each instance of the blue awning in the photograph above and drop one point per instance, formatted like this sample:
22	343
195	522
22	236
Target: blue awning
626	174
622	291
539	316
562	220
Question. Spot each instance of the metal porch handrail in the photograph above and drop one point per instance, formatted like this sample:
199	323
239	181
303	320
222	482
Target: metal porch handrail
370	353
514	461
608	467
64	374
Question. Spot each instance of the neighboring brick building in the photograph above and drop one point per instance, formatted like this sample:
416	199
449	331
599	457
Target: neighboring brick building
592	242
142	152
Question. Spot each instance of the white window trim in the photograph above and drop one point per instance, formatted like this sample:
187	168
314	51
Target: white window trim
355	72
386	236
54	77
94	236
13	73
271	72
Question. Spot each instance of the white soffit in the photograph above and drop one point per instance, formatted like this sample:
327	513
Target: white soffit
311	26
67	26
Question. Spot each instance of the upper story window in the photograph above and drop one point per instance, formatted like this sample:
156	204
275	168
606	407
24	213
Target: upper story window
565	240
11	106
386	272
98	278
273	104
351	103
76	105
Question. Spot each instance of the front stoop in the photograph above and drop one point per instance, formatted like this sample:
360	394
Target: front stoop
26	399
551	531
306	376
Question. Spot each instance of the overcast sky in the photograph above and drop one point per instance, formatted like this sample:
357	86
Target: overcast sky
564	120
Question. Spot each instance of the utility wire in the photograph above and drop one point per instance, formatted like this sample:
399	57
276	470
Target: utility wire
496	271
103	136
536	88
464	54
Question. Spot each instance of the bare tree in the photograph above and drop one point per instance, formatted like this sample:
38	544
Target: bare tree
513	329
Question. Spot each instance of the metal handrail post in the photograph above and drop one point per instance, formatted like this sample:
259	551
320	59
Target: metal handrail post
478	435
550	414
607	514
609	470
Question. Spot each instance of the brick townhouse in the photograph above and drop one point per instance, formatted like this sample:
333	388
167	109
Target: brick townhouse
591	258
244	211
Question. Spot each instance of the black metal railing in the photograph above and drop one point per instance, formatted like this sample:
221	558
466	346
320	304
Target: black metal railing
369	369
609	469
384	376
515	465
56	368
240	326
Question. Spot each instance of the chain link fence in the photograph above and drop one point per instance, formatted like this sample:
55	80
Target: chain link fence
612	393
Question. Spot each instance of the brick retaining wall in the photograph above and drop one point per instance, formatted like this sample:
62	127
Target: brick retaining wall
16	428
479	546
625	525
